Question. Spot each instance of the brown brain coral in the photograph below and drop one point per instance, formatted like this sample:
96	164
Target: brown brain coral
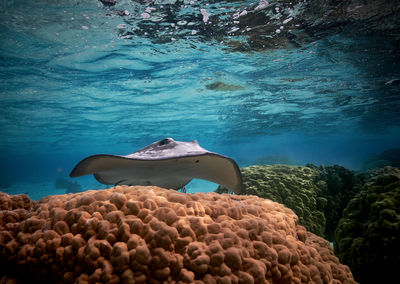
153	235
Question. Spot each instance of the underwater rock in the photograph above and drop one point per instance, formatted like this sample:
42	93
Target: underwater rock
70	186
5	183
390	157
153	235
342	185
368	236
221	86
293	186
374	164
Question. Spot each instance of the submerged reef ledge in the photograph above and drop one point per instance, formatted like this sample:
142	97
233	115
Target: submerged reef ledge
154	235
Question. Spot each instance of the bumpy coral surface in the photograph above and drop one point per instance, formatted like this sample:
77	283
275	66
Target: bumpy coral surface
153	235
368	235
341	186
293	186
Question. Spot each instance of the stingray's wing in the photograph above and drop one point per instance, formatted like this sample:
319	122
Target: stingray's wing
119	170
98	163
169	173
216	168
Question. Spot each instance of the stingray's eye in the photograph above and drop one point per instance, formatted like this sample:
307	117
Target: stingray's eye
164	142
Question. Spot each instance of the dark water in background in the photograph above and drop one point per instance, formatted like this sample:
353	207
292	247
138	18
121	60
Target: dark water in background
79	78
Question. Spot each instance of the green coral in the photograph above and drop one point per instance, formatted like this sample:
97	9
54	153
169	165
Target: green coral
368	236
292	186
317	195
342	185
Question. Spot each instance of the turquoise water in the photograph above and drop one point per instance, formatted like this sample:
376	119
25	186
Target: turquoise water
79	78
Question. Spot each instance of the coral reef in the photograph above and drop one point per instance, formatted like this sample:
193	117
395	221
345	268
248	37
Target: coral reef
70	186
341	186
318	195
390	157
293	186
153	235
368	235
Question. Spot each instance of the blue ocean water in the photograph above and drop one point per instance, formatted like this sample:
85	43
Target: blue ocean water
80	78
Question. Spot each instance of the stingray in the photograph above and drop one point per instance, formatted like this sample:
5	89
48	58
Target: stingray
166	163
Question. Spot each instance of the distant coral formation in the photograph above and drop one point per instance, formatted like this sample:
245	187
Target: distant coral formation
153	235
368	235
293	186
274	160
70	186
390	157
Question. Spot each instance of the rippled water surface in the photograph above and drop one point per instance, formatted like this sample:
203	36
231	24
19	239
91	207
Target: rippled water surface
243	78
